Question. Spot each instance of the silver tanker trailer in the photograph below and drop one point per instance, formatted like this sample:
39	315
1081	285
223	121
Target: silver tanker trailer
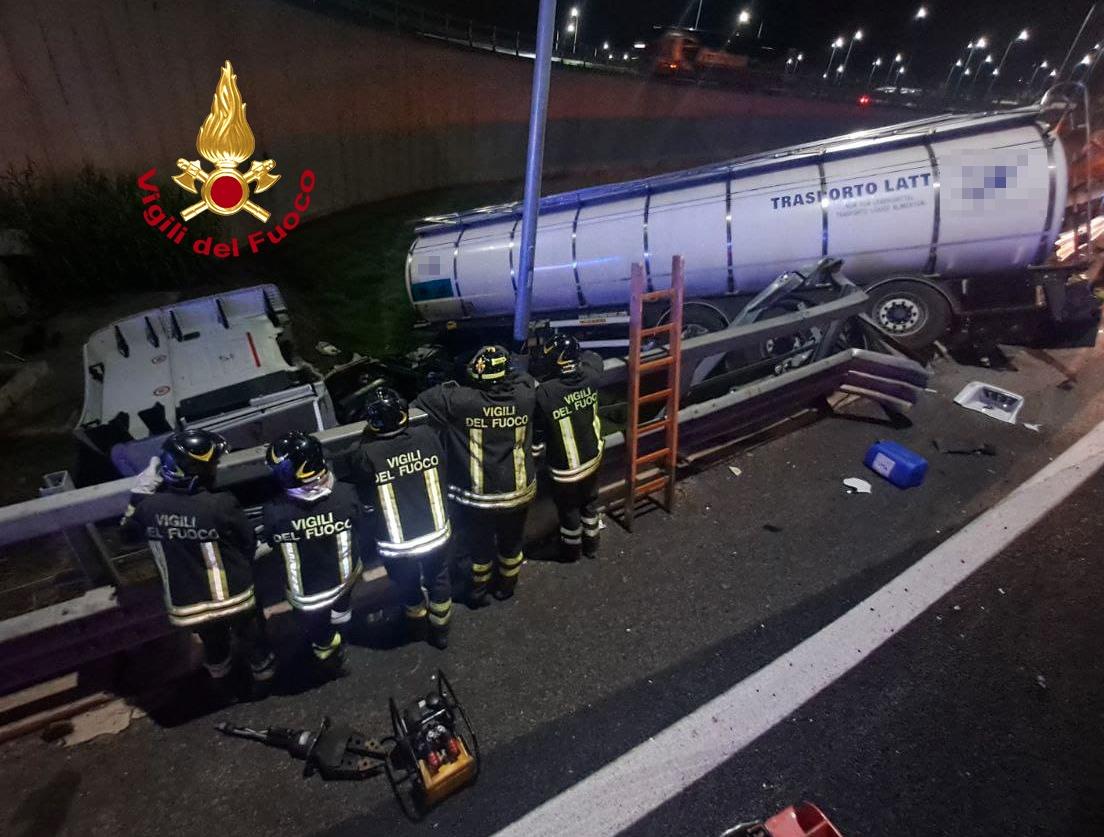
929	216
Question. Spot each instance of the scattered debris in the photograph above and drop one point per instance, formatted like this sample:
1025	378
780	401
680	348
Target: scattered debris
109	719
1066	385
990	400
956	446
328	349
896	463
735	471
1035	428
770	527
1041	681
1000	590
857	486
14	356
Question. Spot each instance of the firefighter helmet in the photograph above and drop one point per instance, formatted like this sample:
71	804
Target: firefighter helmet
561	353
297	459
190	457
489	366
386	412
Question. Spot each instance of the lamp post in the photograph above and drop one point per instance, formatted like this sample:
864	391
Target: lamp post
697	20
741	19
897	59
973	47
1019	39
836	45
955	66
977	75
875	64
1042	65
573	28
858	36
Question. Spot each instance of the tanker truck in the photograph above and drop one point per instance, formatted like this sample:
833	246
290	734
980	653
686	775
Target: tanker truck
934	218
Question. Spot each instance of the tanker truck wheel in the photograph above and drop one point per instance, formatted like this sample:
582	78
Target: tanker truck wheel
913	312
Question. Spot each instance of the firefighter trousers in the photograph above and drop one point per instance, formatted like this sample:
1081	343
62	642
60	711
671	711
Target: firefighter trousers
324	627
577	504
490	538
244	634
421	578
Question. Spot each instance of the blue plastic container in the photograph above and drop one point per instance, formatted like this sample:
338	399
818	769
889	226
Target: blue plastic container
901	466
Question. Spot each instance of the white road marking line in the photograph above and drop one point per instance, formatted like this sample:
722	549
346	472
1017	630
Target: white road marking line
627	789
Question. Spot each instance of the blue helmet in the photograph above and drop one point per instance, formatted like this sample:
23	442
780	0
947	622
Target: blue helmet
189	458
297	459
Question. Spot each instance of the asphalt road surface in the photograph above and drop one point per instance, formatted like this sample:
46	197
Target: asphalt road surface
984	716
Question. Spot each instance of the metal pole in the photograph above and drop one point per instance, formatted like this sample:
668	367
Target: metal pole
534	164
1000	66
831	59
965	69
697	20
846	58
1077	37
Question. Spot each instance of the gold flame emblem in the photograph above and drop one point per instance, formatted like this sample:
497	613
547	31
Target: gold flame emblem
226	141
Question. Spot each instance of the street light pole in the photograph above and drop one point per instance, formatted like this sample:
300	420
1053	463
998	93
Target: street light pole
851	45
1019	39
1062	68
697	20
973	46
897	59
573	28
836	45
534	166
954	66
875	64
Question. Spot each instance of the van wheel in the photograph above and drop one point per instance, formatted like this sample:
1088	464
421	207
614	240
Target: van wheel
914	313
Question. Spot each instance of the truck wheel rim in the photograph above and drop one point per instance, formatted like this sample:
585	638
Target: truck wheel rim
899	315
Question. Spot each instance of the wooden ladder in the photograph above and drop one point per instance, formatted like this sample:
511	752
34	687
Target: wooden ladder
662	461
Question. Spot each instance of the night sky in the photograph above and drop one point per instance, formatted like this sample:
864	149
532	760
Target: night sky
810	25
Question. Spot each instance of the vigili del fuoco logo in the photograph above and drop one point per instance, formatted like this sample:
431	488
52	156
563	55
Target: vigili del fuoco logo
225	141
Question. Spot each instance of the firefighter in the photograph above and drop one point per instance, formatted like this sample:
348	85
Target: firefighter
316	524
406	466
489	436
571	433
203	546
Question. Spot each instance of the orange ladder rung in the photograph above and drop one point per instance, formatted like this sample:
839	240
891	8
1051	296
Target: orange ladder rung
651	427
649	487
653	397
656	296
654	456
652	365
654	330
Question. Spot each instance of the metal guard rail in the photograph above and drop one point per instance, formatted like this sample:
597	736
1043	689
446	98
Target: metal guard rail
893	380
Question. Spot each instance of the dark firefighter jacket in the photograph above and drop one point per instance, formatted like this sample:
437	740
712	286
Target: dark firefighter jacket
320	541
407	472
203	545
567	421
489	440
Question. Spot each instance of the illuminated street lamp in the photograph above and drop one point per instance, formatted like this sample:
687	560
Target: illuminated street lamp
836	45
973	47
1019	39
957	65
921	13
875	64
980	70
743	17
1042	65
858	36
897	59
605	45
573	28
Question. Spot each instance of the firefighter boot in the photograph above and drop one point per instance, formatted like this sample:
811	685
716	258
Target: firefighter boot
262	670
415	625
591	532
480	582
570	544
508	571
220	686
330	660
440	613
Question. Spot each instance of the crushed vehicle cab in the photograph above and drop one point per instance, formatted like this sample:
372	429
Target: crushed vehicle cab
223	363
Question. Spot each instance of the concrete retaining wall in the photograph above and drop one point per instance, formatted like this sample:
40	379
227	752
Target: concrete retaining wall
125	84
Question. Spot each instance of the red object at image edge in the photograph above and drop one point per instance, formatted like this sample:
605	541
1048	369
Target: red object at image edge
804	820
